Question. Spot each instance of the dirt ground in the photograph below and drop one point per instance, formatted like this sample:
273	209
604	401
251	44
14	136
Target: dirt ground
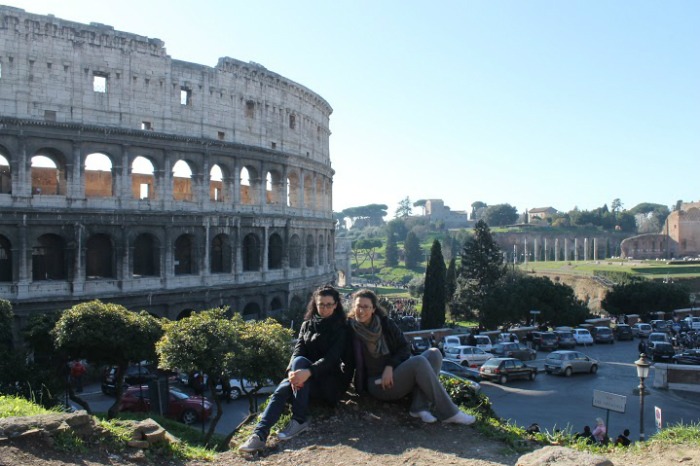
382	436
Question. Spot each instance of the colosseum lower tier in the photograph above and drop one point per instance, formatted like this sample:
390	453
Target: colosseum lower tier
159	184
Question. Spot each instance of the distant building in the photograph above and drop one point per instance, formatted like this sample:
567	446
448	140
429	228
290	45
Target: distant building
540	214
679	237
436	210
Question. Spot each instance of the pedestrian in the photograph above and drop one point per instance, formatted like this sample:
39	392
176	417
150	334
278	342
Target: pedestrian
386	369
600	431
319	368
623	439
586	435
226	388
77	370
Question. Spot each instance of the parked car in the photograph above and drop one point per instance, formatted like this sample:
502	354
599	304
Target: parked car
582	336
545	341
483	342
240	387
659	325
419	344
568	362
566	338
460	370
692	322
181	406
641	330
507	337
135	375
658	336
603	335
690	357
514	350
660	351
467	355
453	340
505	369
623	332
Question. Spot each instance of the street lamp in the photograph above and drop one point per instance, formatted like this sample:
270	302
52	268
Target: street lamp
642	372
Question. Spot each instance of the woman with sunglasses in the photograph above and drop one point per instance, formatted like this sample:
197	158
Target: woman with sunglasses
386	369
315	369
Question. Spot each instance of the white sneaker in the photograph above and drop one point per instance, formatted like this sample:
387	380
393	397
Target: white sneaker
461	418
292	430
253	444
424	416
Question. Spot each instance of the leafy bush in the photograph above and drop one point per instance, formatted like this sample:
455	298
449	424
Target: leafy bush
463	394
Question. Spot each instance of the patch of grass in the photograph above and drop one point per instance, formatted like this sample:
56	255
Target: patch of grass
678	433
69	442
11	406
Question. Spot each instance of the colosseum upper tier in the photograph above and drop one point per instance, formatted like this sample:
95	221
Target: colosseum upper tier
163	185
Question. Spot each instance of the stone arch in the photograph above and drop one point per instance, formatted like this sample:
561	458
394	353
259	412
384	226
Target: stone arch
182	181
293	190
275	252
185	263
143	180
220	256
99	256
308	191
48	173
296	303
216	184
252	311
276	305
49	258
321	249
273	183
146	256
249	180
98	175
295	252
183	314
310	251
251	253
5	174
5	260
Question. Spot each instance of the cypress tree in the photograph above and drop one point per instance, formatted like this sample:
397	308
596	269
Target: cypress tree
434	294
412	251
391	254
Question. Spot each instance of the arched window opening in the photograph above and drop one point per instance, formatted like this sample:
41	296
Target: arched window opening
182	181
220	254
98	257
98	176
252	311
216	184
310	251
270	195
146	256
184	264
321	250
319	194
49	258
295	252
276	306
5	260
184	314
293	191
275	252
251	253
247	195
5	176
142	179
48	177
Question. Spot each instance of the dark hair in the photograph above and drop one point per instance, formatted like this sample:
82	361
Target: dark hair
371	295
327	290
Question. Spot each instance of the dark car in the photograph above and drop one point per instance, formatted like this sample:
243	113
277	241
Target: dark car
603	335
181	406
505	369
460	370
513	350
623	332
545	341
135	375
566	339
419	344
690	357
660	351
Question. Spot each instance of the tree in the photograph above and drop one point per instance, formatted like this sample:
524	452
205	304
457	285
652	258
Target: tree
373	213
398	227
107	333
481	268
478	208
404	209
367	248
500	215
412	251
420	203
434	293
391	253
616	206
451	279
645	297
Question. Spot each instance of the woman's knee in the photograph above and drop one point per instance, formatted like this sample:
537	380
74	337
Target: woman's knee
300	362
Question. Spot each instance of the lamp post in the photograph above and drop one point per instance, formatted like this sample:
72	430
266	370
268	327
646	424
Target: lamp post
642	372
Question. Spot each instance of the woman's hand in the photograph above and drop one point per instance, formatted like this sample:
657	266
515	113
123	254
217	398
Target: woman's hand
299	377
387	378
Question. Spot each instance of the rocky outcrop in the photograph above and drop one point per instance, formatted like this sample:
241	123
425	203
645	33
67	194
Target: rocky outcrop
562	456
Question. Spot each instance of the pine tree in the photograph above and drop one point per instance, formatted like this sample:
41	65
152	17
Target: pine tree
434	294
451	278
391	254
480	270
412	251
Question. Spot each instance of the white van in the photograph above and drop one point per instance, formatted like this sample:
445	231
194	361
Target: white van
693	322
453	340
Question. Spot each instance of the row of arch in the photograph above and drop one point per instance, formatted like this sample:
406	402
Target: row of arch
101	255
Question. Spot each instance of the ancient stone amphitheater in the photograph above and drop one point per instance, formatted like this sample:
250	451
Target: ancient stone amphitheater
163	185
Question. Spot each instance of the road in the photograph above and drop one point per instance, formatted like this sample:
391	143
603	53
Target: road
554	402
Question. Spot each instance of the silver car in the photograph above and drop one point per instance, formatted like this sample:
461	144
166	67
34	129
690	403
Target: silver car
568	362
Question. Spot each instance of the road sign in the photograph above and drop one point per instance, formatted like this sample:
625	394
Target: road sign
534	312
657	416
610	401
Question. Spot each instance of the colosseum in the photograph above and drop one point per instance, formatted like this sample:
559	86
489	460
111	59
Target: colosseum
159	184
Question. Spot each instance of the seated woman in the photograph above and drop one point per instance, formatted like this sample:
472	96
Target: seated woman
314	369
386	369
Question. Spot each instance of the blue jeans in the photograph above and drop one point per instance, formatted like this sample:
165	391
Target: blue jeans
284	393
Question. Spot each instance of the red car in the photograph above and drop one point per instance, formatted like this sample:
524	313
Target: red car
181	406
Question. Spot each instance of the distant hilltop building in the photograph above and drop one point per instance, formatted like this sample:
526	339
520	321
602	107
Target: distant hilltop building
159	184
540	214
435	209
679	237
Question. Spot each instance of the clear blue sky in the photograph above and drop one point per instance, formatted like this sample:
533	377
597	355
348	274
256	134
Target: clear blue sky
532	103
